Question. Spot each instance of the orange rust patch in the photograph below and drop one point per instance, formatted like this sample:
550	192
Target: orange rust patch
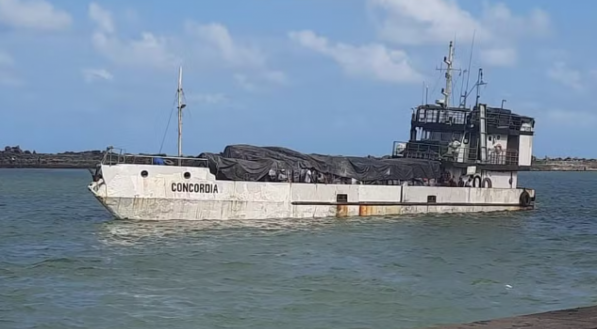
365	210
341	211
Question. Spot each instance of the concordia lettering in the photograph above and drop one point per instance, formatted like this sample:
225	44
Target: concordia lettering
194	187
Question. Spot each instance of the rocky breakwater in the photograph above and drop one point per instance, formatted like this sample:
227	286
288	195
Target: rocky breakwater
564	164
15	157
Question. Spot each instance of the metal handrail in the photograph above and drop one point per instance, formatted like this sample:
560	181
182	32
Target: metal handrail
462	154
440	115
495	117
115	158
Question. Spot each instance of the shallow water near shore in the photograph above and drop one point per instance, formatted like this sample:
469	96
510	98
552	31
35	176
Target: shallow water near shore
64	263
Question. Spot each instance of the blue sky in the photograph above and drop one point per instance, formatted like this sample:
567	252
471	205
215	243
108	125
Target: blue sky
321	76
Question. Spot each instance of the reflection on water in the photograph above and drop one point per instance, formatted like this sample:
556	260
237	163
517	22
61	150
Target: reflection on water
127	232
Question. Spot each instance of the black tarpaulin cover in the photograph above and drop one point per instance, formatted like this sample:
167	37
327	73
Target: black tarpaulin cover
253	163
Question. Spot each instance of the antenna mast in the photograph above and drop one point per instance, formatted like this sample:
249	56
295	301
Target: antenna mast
448	90
479	83
464	96
180	107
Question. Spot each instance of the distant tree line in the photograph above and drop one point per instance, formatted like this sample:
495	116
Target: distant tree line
571	159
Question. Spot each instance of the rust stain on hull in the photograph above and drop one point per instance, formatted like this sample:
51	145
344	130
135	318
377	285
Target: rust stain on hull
341	211
365	210
368	211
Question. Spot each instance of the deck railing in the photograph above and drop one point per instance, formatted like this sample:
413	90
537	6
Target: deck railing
440	115
495	117
461	154
499	118
117	156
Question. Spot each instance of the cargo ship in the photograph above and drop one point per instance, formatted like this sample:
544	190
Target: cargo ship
456	160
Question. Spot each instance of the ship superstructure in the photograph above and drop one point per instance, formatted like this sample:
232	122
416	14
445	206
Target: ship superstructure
485	145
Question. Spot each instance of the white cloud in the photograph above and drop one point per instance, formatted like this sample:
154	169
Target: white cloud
223	44
374	61
259	82
91	75
506	26
149	50
211	44
212	99
33	14
245	82
499	56
221	47
416	22
436	21
102	18
276	77
423	22
565	75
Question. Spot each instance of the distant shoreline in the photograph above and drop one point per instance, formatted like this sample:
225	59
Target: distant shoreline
15	158
542	168
567	164
45	167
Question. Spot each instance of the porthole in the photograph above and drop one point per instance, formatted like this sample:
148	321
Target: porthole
187	175
144	173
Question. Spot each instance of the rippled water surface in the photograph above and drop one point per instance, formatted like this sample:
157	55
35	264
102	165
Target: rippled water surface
64	263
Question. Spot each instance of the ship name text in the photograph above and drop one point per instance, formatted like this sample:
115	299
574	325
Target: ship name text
194	187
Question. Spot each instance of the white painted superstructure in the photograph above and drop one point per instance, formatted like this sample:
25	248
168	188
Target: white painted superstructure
526	147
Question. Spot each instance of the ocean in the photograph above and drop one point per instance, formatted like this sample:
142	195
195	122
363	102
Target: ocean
65	263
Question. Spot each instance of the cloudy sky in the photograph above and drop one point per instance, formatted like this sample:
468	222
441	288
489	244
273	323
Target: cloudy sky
336	76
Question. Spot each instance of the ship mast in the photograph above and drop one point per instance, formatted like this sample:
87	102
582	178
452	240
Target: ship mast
447	91
180	107
448	62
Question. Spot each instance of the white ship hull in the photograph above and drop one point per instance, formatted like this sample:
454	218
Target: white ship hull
165	194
